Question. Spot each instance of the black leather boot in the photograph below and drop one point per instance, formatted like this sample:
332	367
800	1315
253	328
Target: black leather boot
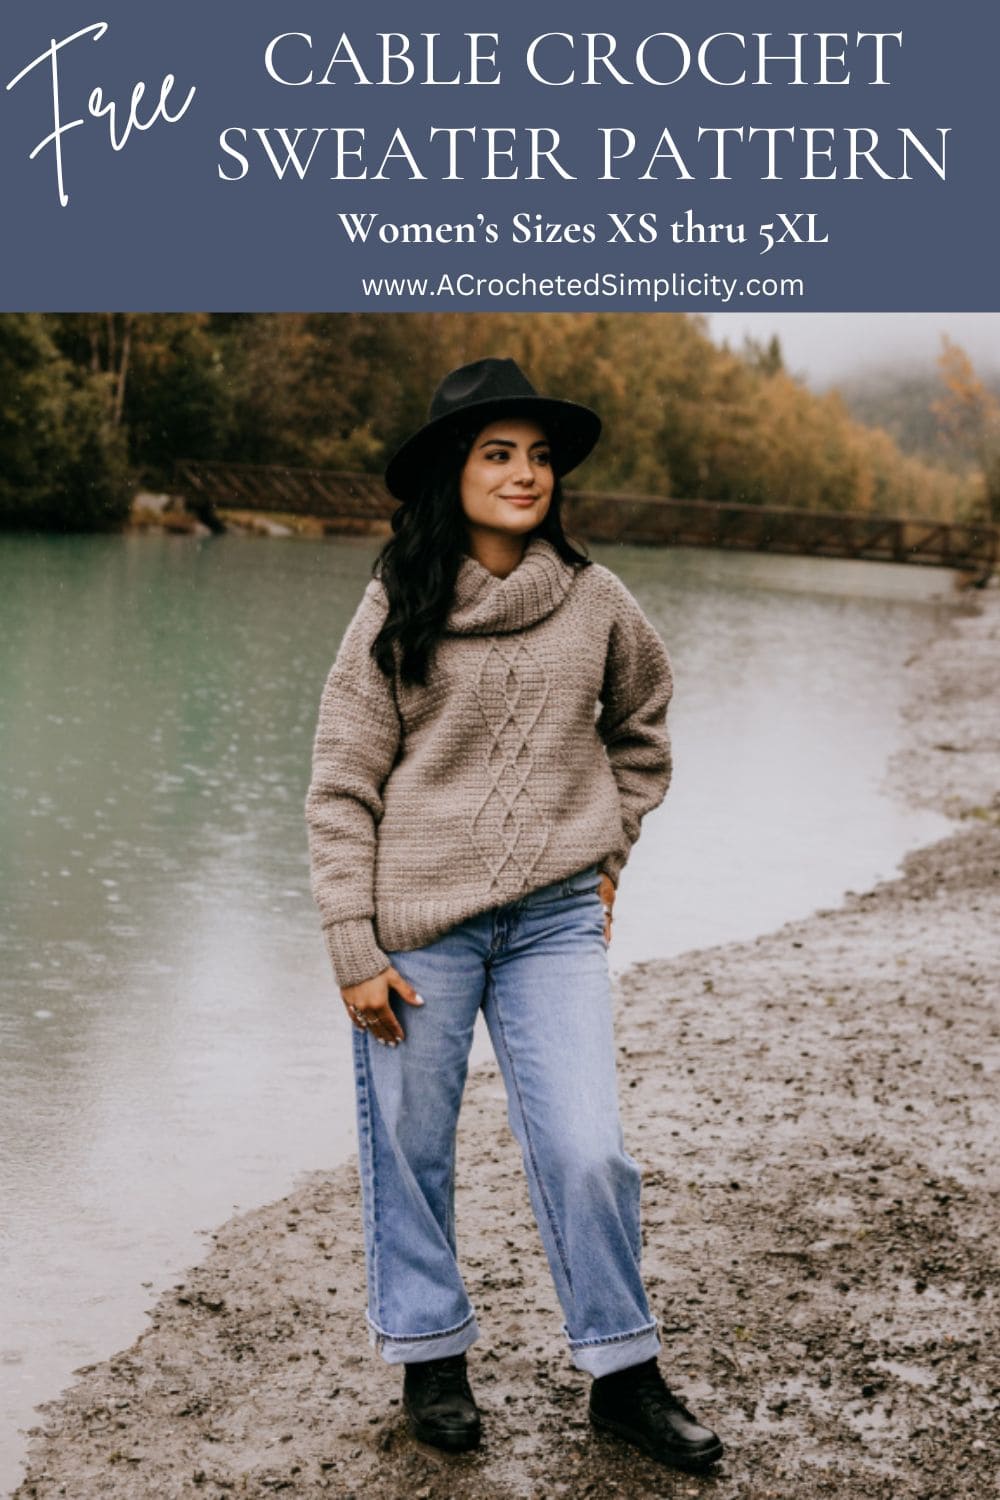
439	1404
636	1404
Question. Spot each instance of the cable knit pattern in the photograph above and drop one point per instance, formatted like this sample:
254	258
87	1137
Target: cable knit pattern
510	828
535	748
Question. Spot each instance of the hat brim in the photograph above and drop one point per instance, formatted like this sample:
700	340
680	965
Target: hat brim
572	431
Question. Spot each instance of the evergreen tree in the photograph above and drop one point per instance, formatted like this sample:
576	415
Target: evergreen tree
62	463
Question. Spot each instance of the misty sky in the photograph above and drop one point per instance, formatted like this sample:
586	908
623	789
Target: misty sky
824	346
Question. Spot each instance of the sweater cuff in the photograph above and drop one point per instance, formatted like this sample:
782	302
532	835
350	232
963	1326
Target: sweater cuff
354	953
611	865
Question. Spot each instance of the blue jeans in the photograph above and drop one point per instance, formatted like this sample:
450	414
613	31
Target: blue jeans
538	969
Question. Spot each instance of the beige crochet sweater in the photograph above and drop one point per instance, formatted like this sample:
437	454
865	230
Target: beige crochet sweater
535	749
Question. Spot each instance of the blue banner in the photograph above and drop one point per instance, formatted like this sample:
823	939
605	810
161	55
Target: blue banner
264	156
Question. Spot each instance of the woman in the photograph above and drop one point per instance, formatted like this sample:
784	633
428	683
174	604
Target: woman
490	737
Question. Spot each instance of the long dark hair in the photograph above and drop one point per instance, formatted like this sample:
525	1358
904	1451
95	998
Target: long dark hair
419	563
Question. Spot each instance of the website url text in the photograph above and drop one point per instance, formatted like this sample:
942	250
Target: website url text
610	284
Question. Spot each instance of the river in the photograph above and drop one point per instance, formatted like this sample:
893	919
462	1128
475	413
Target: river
172	1046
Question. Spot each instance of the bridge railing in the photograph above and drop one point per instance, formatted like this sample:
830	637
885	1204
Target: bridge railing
345	499
709	523
324	493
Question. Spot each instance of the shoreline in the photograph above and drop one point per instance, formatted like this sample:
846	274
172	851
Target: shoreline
824	1300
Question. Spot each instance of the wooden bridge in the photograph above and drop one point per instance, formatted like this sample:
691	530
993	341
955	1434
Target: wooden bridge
360	502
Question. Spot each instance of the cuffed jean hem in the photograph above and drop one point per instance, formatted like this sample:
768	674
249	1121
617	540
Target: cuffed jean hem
604	1356
397	1351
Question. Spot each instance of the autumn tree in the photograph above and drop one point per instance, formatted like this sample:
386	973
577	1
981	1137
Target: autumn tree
969	413
682	417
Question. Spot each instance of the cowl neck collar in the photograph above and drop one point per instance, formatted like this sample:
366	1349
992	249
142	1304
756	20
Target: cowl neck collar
484	604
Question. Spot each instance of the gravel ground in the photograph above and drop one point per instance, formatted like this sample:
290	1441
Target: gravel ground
816	1115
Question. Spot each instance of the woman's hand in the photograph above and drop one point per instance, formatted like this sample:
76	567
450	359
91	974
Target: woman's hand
607	891
368	1006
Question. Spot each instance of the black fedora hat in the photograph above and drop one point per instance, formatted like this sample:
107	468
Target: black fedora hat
484	391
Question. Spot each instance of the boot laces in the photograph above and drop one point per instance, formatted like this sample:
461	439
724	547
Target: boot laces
652	1393
443	1376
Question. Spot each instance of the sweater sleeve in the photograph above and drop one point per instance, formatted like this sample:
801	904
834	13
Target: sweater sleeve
357	739
638	685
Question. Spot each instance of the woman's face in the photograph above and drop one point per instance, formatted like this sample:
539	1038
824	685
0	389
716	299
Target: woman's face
506	482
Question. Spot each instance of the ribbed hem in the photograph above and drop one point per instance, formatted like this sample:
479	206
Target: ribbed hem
612	865
354	953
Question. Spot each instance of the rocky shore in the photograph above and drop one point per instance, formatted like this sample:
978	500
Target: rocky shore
816	1113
